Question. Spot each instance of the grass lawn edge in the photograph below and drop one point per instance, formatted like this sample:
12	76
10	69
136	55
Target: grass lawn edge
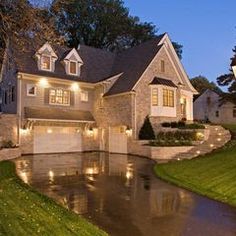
8	173
162	174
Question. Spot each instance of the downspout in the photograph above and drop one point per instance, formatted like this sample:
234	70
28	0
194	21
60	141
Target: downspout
19	77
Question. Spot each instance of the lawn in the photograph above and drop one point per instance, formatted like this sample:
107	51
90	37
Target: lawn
213	175
24	211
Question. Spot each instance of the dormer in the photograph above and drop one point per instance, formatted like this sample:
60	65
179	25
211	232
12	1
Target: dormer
73	63
46	58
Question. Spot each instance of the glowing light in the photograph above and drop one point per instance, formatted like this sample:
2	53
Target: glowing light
43	82
216	129
91	170
90	132
198	152
51	175
178	159
49	131
219	134
219	139
128	131
129	171
24	177
75	86
199	135
211	145
24	131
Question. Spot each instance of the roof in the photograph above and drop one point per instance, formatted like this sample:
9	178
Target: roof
133	62
97	63
57	114
161	81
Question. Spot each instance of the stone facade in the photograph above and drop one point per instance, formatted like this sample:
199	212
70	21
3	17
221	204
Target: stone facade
9	128
9	153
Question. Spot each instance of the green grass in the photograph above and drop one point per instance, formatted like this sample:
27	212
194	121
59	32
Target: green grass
24	211
213	175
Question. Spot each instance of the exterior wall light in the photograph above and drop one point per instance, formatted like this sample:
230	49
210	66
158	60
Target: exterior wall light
75	86
128	131
43	82
90	132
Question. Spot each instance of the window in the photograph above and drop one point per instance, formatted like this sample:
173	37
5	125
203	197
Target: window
217	113
84	96
234	112
13	94
162	66
45	62
5	97
73	67
59	97
154	97
168	98
31	90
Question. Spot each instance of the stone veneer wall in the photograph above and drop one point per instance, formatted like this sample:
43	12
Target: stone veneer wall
9	127
143	91
9	153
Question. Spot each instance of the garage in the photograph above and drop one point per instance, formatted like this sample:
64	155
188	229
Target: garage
53	139
117	140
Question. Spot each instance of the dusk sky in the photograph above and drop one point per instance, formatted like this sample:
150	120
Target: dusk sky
205	28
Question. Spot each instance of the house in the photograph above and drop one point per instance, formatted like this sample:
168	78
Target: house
71	100
211	106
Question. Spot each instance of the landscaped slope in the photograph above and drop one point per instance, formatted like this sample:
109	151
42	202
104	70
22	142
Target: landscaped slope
23	211
213	175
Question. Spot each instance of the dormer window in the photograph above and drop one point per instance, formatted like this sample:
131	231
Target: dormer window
73	68
73	63
46	58
46	62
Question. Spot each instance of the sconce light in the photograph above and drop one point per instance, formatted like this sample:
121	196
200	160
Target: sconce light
90	132
75	86
43	82
128	131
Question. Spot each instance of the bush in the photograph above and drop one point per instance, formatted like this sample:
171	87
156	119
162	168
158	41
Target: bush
174	124
194	126
146	132
165	124
7	144
181	124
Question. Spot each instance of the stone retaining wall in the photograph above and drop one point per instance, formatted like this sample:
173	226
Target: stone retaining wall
9	153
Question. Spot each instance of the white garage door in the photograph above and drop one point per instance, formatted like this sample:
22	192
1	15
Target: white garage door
117	140
56	139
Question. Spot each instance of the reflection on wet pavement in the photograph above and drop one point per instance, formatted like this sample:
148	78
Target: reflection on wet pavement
121	194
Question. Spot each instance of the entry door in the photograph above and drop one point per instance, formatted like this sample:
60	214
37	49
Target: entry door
117	140
48	139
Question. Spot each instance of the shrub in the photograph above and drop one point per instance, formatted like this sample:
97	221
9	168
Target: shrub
7	144
165	124
194	126
174	124
181	124
146	132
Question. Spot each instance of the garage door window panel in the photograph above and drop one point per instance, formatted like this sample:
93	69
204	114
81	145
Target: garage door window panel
59	97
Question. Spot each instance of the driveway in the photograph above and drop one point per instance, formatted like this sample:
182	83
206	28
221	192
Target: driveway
121	194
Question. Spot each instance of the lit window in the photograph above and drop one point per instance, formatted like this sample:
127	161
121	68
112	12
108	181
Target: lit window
162	66
154	97
73	67
31	90
46	63
168	98
217	113
234	112
59	97
84	96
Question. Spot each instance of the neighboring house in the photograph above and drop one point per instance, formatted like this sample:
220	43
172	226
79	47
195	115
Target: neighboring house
69	100
210	106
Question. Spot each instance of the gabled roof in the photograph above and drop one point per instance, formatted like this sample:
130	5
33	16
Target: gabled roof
97	63
165	82
133	62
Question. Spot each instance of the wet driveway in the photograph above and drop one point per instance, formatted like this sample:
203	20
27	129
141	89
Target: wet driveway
120	194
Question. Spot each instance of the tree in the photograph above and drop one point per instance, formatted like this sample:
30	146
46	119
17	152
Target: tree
104	24
228	79
146	132
20	22
201	83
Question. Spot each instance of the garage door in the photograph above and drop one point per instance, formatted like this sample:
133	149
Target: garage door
56	139
117	140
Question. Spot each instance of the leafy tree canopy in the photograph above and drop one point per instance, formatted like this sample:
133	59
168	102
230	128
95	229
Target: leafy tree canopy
201	83
103	24
229	79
